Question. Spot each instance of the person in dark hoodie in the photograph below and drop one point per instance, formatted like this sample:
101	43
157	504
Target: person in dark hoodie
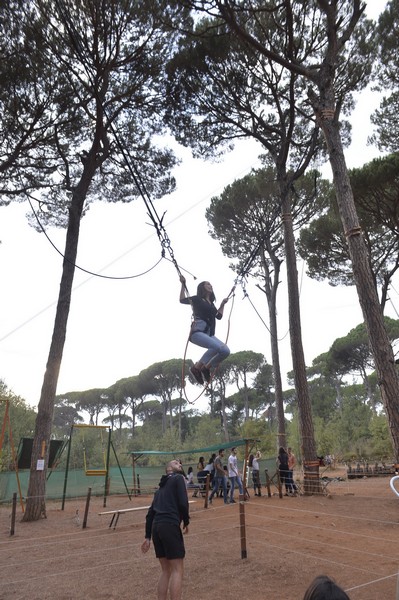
168	509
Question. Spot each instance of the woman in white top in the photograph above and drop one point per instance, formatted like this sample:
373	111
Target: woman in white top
256	473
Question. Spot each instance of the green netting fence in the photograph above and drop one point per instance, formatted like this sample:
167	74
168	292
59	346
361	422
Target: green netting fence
79	482
147	479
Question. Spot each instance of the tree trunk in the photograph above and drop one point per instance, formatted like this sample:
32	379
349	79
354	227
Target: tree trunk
278	385
368	298
308	445
271	295
36	498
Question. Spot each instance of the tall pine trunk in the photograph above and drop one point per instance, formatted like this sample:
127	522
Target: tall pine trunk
381	348
270	289
308	444
36	498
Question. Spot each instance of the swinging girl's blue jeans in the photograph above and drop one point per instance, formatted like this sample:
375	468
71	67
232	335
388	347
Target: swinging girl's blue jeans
217	350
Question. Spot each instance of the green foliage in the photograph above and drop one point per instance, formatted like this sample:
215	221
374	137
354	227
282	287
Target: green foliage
323	398
22	422
352	424
259	429
385	118
381	443
352	433
323	244
206	432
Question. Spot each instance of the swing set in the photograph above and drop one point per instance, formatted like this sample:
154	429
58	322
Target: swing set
105	432
95	472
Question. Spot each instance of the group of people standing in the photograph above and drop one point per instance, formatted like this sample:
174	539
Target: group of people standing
225	478
223	473
286	462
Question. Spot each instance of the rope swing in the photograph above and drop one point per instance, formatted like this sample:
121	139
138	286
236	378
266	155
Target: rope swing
202	328
100	472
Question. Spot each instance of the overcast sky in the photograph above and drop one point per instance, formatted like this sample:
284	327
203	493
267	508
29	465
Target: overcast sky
118	327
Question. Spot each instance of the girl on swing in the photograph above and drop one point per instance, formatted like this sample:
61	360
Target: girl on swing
202	331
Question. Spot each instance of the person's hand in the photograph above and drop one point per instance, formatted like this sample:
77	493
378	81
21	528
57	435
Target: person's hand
225	301
182	279
145	546
185	529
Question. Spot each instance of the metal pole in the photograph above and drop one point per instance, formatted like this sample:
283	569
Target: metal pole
134	474
106	482
120	470
67	469
87	508
242	527
245	483
13	513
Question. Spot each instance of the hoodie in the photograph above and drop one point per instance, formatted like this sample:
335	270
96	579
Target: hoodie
170	503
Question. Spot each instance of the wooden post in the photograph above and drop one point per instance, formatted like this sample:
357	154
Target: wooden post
269	491
13	513
207	482
243	537
87	508
244	479
106	491
280	487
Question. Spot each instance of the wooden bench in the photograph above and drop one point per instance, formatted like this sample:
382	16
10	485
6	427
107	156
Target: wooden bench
119	511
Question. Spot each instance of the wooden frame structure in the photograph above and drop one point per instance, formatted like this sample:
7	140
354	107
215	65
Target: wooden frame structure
94	472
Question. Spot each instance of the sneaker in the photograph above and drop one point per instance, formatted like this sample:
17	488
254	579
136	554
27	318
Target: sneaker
206	374
196	373
210	500
232	501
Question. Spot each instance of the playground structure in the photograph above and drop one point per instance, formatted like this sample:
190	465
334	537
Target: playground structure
104	471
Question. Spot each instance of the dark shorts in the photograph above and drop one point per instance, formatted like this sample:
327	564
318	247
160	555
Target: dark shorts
168	541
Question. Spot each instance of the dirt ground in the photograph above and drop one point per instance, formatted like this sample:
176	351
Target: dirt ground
350	535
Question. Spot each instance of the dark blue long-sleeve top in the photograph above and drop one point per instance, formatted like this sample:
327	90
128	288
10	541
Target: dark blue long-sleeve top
203	310
170	503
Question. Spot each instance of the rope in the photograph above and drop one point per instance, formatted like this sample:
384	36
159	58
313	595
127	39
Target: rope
81	268
246	295
157	221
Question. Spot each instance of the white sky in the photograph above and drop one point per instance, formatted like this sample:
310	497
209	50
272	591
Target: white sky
118	327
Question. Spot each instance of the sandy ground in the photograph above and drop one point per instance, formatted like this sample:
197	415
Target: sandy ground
351	535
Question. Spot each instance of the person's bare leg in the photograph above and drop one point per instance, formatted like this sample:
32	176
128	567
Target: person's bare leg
163	581
176	578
